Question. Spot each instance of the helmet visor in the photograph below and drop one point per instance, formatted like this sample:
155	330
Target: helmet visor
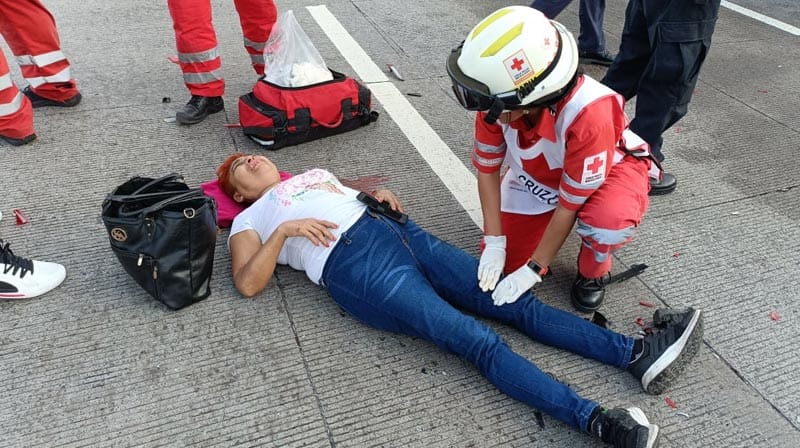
473	94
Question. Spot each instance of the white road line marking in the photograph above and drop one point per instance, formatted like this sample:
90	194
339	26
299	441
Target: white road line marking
456	177
762	18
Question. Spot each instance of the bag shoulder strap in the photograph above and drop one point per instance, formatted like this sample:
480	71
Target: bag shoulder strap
191	194
155	182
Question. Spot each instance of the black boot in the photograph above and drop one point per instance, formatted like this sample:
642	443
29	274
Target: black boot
40	101
18	141
198	108
666	185
588	293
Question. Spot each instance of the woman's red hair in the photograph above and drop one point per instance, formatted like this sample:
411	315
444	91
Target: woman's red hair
224	174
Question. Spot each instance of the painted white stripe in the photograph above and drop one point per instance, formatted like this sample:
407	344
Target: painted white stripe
456	177
762	18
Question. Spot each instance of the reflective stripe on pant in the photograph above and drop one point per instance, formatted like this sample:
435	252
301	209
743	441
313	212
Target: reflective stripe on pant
402	279
16	112
662	49
30	31
605	223
196	40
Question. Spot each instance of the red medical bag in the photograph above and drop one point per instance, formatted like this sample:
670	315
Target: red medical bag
275	116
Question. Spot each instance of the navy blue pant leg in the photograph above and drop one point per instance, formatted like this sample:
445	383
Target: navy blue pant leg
663	47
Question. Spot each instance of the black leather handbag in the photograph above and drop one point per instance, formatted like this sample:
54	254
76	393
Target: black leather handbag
164	234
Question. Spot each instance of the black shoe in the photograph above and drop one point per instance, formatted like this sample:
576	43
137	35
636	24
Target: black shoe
587	294
667	351
624	428
39	101
198	108
603	58
666	185
19	141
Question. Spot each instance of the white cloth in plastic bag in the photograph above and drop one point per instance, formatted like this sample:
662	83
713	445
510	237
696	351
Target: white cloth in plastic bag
290	58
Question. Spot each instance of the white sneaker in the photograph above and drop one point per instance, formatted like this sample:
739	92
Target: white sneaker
22	278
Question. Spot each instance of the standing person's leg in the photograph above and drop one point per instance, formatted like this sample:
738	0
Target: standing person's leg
550	8
607	222
592	39
374	276
257	18
16	113
30	31
679	50
198	57
634	53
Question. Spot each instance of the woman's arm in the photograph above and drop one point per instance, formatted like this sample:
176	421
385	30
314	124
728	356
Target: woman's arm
489	192
253	263
554	235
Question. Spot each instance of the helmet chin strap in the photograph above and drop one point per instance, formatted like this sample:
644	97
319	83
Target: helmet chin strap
494	112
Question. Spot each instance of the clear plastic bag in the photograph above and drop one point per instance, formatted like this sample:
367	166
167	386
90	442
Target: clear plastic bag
290	58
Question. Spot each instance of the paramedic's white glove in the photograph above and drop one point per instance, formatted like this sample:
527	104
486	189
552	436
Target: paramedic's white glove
514	285
493	259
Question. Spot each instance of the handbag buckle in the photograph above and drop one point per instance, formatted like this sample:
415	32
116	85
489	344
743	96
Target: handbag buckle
189	213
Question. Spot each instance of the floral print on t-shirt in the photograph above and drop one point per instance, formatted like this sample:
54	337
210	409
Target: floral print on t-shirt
295	188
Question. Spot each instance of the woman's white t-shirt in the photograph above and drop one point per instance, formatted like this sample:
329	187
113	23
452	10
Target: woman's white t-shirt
313	194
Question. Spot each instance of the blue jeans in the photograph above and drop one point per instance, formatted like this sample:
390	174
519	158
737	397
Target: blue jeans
590	13
402	279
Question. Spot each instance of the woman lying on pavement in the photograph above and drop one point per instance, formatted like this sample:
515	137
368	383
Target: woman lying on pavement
399	278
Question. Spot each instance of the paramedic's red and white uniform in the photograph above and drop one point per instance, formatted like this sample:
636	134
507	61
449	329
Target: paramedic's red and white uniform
573	158
30	31
196	40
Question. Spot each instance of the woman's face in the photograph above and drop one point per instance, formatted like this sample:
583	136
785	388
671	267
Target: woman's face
251	175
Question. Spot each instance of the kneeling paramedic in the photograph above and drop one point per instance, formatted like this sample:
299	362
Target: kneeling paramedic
568	154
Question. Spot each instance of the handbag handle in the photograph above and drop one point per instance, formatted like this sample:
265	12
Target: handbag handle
330	126
155	182
161	204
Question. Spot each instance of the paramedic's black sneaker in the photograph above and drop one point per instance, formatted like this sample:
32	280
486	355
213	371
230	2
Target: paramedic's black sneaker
40	101
18	141
666	352
666	185
603	58
624	428
587	294
198	108
22	278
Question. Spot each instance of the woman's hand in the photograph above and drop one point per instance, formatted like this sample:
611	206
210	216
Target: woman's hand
316	230
388	197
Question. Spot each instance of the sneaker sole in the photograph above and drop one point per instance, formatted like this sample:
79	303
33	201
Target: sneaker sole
653	430
666	369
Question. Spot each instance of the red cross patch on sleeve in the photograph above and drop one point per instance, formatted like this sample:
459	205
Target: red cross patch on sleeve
594	168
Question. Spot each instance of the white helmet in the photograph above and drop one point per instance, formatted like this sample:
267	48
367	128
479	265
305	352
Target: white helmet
514	58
